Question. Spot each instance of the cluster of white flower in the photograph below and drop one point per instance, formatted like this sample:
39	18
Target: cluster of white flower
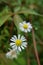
11	54
19	43
25	27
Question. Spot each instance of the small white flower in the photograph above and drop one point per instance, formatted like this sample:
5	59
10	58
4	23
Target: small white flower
25	27
11	54
18	43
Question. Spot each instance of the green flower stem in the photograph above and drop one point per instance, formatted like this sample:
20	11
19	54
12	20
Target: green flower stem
27	51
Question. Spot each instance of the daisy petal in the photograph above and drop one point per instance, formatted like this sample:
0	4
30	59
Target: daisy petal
29	30
25	30
12	44
19	49
24	44
24	22
12	39
19	36
22	47
14	47
20	24
8	54
30	27
15	37
23	38
21	28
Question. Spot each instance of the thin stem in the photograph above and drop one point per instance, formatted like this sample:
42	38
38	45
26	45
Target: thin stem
11	29
28	60
12	23
34	43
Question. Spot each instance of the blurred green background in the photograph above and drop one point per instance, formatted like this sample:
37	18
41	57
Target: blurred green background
12	12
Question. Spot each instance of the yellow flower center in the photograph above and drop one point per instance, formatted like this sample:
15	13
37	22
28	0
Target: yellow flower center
25	26
18	42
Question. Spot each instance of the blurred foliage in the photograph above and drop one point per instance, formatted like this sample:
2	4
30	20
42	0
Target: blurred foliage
11	13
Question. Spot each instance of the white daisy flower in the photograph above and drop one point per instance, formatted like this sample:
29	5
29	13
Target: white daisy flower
18	43
11	54
24	26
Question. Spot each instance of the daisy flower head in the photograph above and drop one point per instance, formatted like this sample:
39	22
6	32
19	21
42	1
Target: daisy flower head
11	54
18	43
25	27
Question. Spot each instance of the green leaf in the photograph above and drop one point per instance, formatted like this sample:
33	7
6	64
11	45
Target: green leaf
4	16
32	12
16	9
34	62
17	20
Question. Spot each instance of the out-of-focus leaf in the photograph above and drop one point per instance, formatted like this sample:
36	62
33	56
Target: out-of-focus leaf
34	62
23	61
4	16
32	12
16	9
17	20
